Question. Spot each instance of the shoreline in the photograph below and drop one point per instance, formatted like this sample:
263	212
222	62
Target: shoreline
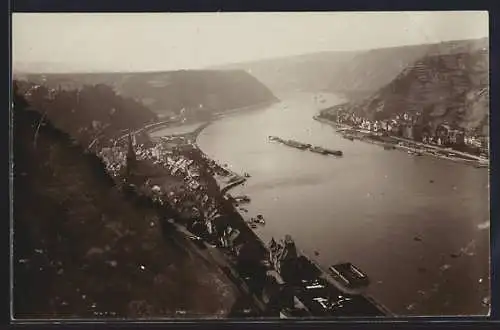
424	149
237	179
214	117
241	180
233	180
367	139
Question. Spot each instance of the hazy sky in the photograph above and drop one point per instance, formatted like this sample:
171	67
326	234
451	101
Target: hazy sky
141	41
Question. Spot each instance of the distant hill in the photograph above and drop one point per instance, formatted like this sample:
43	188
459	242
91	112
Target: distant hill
169	92
451	88
356	74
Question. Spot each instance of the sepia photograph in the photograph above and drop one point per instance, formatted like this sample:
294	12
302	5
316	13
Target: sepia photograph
298	165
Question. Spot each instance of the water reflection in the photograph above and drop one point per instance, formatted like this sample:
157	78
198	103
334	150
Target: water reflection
366	207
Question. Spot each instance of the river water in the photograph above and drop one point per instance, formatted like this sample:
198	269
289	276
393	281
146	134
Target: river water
418	226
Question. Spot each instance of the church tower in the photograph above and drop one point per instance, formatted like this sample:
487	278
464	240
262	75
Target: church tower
131	156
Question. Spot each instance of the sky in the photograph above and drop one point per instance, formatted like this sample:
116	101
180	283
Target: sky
168	41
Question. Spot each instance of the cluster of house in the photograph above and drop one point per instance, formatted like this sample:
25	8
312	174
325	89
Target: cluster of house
206	218
190	198
408	126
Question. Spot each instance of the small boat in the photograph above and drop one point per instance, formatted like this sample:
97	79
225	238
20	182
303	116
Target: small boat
350	275
414	153
259	219
242	199
253	225
246	175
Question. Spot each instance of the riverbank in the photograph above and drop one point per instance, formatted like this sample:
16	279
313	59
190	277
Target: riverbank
194	121
226	180
412	147
342	208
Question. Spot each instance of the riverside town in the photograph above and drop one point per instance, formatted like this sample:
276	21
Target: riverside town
341	179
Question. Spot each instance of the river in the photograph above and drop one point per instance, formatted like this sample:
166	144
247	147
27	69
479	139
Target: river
418	226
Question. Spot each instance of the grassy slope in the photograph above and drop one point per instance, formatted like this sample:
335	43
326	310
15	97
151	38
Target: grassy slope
79	244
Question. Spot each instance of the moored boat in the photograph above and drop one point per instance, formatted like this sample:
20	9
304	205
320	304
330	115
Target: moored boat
242	199
350	275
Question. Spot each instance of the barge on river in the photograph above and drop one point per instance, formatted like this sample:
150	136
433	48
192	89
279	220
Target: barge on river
325	151
290	143
306	146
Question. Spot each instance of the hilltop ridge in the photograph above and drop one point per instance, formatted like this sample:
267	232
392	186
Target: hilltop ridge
356	74
201	92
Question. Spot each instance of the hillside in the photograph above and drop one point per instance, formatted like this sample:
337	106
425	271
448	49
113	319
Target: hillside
86	113
199	91
84	250
451	88
352	73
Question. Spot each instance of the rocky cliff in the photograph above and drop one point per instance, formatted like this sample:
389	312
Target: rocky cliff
451	88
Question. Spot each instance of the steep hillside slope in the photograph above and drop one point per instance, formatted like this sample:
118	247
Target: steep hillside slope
369	71
452	88
170	92
88	112
353	73
84	250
